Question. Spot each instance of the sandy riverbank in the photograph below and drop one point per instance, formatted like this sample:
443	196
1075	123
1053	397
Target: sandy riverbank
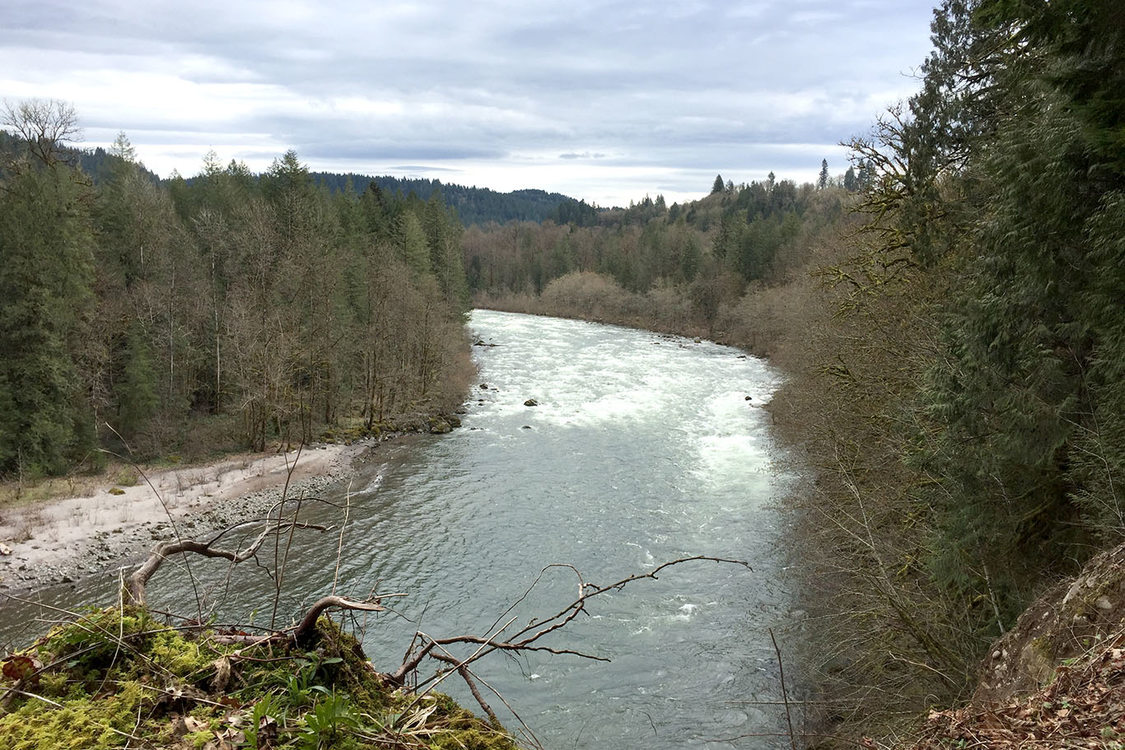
69	538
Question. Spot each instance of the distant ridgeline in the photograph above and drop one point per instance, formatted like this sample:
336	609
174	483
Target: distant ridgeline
473	205
97	163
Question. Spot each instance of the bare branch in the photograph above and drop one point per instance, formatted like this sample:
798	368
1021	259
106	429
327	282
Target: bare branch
784	692
306	630
134	589
526	638
45	124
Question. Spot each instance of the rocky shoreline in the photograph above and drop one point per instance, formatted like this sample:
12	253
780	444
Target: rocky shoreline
61	552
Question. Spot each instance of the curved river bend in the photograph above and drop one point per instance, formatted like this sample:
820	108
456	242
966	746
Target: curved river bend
643	448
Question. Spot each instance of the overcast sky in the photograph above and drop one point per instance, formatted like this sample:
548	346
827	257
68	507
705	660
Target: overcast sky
598	99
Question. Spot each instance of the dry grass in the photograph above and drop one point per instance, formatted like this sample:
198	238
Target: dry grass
17	494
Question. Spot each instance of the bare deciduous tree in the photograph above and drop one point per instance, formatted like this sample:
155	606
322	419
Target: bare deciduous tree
46	124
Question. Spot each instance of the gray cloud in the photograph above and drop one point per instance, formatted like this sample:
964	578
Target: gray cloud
592	97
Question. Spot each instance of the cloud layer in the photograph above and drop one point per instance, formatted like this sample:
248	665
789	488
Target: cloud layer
600	99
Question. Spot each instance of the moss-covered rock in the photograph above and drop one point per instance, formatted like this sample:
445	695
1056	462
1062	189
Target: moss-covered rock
1070	619
114	678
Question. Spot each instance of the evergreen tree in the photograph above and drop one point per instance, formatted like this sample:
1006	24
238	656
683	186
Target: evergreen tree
413	245
45	290
136	390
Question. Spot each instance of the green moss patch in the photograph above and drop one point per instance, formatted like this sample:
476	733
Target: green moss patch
115	679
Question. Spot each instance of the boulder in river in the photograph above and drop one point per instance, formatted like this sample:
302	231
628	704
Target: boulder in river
531	402
440	426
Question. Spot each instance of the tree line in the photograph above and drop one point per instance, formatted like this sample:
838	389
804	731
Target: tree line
474	205
653	265
227	312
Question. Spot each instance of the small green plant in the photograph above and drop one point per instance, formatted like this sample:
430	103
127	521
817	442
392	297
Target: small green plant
331	715
265	713
299	685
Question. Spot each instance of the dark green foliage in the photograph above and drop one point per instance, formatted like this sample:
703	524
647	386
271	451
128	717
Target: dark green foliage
961	391
472	205
45	278
134	310
578	213
136	390
747	229
1002	180
1027	453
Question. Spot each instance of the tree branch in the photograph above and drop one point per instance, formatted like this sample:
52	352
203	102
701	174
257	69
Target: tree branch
134	587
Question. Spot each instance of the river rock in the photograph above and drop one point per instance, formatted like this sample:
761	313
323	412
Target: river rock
531	402
440	427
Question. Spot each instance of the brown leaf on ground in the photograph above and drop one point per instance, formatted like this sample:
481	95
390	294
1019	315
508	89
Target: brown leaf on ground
1084	707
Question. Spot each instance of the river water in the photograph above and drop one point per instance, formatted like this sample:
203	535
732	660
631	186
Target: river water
643	448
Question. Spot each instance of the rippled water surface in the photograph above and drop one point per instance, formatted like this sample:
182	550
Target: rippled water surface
643	448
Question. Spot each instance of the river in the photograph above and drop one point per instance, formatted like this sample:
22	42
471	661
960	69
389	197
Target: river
643	448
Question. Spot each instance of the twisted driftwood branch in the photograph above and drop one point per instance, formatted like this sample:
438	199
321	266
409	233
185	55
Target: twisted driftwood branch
133	590
306	630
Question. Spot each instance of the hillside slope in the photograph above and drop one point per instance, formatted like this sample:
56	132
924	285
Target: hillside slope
1056	679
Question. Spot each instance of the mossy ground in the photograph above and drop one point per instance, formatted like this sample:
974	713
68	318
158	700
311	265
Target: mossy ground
116	679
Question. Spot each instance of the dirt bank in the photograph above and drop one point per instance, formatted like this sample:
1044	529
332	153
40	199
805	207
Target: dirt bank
66	539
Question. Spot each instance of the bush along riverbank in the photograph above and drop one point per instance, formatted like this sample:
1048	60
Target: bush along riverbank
121	678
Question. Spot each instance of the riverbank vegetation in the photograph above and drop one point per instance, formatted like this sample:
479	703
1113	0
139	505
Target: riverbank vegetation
950	315
231	311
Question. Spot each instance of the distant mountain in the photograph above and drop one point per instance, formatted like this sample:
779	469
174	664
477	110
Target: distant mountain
94	162
473	205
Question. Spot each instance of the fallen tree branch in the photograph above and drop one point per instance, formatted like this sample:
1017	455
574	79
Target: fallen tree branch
467	676
306	630
525	639
134	588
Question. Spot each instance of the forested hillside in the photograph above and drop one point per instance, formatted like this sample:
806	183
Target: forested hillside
953	330
227	313
679	267
473	205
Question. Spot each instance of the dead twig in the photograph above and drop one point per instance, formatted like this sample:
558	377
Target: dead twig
526	638
305	632
784	692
